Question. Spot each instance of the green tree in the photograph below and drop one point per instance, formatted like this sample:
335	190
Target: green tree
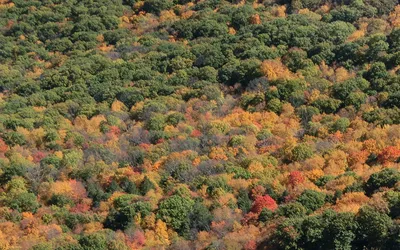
327	104
24	202
377	76
124	211
393	198
200	217
175	212
311	200
373	228
146	186
156	6
292	210
388	177
96	241
265	215
340	125
241	16
243	201
157	122
301	152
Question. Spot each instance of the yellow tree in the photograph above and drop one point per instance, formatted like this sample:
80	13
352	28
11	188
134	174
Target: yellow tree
274	69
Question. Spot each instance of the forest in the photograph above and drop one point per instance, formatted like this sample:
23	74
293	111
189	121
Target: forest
199	124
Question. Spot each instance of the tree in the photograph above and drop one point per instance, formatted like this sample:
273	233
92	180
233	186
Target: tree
377	76
296	59
373	228
175	212
336	32
389	154
146	186
341	125
356	99
274	105
24	202
243	201
393	39
96	241
393	198
12	169
265	215
301	152
60	200
156	6
292	210
383	6
263	202
129	186
327	104
330	230
200	217
312	200
241	16
287	234
274	69
14	138
3	146
296	178
156	122
388	177
344	89
125	209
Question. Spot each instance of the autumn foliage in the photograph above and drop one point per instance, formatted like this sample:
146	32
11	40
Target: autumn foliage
389	154
183	124
262	202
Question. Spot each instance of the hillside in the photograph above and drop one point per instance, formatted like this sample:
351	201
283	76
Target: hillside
199	124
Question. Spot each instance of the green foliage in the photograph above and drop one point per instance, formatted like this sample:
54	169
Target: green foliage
340	125
146	186
265	215
311	200
60	200
292	210
327	231
274	105
129	186
377	75
175	212
200	217
327	105
24	202
393	198
94	241
243	201
373	227
157	122
301	152
388	177
11	170
124	211
14	138
156	6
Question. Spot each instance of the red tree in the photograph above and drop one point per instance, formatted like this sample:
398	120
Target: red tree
3	146
195	133
389	154
295	178
114	131
250	245
38	156
264	202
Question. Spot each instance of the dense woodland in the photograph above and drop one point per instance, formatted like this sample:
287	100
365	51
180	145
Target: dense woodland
208	124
